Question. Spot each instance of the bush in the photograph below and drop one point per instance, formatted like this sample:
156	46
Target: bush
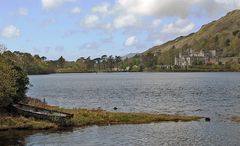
13	83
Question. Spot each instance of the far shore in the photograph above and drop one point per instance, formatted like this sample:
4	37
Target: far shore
139	72
86	117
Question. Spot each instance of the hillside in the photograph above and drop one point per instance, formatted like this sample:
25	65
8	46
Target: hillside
222	35
130	55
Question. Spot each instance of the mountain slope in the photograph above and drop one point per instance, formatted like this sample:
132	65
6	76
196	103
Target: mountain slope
222	35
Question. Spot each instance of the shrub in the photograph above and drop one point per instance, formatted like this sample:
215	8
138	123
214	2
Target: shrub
13	83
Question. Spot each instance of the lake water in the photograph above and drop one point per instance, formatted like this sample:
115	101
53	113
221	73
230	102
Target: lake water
214	95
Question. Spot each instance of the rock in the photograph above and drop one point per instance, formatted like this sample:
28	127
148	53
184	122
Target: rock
207	119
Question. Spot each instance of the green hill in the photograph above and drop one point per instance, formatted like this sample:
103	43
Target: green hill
222	35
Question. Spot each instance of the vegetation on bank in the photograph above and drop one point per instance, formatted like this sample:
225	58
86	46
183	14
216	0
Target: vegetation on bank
86	117
151	63
34	64
13	86
10	121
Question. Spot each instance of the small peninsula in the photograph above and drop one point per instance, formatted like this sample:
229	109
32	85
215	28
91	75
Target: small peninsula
86	117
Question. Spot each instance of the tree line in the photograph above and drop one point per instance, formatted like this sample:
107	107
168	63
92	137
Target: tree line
101	64
35	64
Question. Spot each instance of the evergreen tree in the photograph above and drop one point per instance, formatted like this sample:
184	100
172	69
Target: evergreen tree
61	62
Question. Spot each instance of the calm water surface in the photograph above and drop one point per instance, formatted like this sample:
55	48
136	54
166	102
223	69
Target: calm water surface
214	95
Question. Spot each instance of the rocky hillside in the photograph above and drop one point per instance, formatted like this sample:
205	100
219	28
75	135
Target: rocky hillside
222	35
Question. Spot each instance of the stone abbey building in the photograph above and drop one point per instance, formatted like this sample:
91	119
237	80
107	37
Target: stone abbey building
201	57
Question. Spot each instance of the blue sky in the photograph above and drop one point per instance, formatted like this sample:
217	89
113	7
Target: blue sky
76	28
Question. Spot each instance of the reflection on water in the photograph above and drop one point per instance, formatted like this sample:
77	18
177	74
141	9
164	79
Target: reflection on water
14	137
194	133
191	133
18	137
215	95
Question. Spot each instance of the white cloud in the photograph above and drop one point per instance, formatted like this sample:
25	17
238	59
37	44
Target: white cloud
180	27
125	21
179	8
52	4
131	14
131	41
156	23
23	11
102	9
155	7
10	32
90	21
75	10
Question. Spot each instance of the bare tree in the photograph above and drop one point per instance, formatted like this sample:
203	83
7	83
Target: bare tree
3	48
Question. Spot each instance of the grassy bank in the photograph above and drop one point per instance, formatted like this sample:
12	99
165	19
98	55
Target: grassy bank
85	117
9	121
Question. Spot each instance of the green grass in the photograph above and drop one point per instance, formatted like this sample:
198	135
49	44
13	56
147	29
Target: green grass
84	117
8	121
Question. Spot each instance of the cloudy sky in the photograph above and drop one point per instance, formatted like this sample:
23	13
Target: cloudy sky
76	28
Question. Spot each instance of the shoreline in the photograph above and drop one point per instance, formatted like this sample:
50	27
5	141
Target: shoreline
138	72
85	118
